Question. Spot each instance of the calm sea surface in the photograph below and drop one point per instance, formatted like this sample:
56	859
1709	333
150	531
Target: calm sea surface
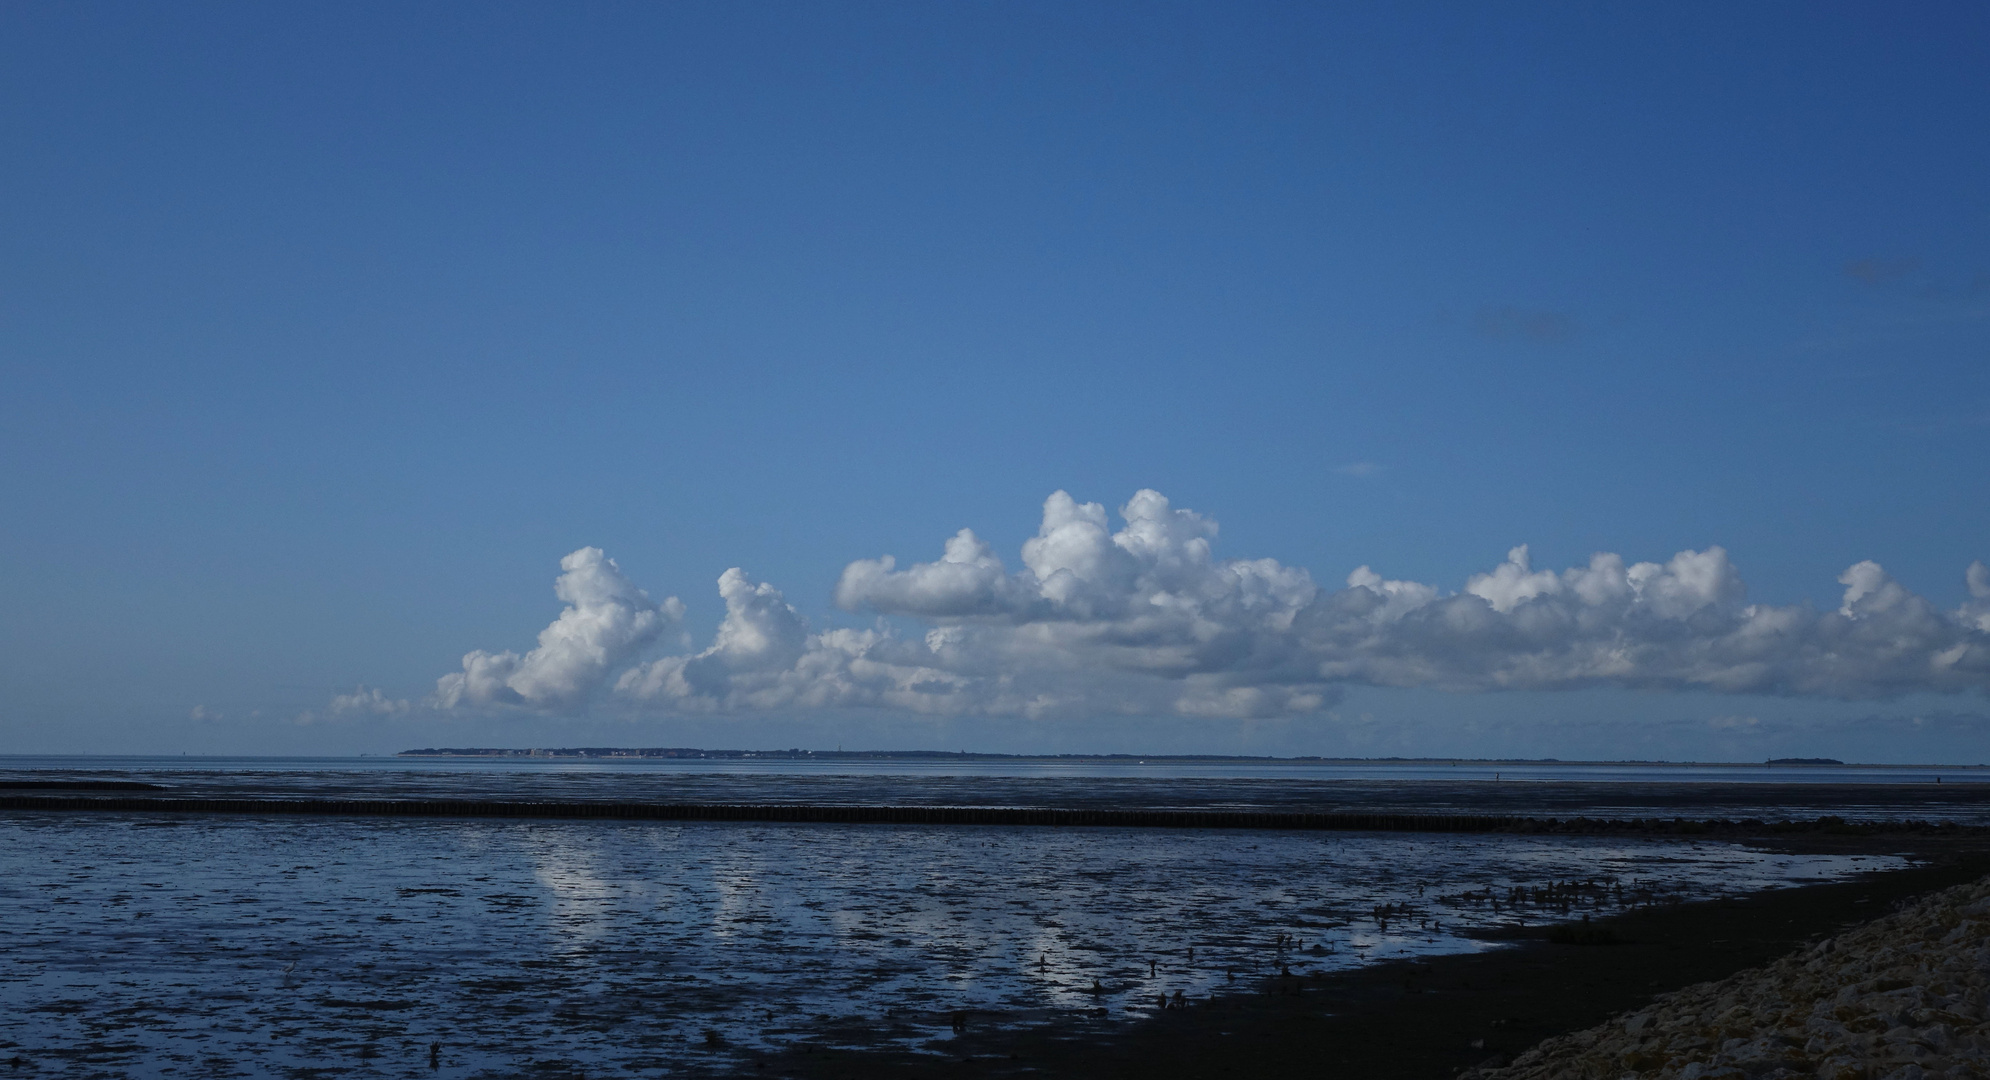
184	945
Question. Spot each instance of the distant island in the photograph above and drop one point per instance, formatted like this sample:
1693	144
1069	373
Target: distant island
798	754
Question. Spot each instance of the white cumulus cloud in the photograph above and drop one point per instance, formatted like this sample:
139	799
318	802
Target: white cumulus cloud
1147	620
1976	611
606	623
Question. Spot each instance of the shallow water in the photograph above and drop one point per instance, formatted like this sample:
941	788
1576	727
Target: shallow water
1044	767
162	945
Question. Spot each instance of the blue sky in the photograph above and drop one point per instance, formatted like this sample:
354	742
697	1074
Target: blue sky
327	333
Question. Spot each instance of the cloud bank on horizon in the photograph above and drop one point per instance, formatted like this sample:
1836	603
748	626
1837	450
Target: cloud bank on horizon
1147	621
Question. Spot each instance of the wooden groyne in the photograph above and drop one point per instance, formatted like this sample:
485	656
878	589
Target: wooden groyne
817	813
770	812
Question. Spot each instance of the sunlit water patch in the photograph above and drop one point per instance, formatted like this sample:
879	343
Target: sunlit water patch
192	946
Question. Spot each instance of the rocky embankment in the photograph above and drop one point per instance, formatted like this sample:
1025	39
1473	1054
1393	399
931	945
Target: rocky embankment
1904	997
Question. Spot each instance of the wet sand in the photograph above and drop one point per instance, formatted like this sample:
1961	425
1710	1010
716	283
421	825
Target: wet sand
330	947
1434	1017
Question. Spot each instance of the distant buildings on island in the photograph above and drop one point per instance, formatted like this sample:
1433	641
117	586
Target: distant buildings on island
797	754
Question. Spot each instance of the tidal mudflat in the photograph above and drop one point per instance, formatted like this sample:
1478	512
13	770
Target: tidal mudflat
184	945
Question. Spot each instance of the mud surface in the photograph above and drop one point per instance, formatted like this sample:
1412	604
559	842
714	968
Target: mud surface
183	945
1433	1018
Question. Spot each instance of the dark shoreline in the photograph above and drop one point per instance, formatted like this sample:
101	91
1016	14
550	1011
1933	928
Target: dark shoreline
1430	1019
1055	817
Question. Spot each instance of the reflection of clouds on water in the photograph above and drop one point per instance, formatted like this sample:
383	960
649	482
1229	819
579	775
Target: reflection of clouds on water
580	900
739	905
615	945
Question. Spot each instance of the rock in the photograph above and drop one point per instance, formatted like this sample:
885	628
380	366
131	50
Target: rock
1902	997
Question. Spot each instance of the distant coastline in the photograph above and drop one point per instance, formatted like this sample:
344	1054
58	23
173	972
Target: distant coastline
796	754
